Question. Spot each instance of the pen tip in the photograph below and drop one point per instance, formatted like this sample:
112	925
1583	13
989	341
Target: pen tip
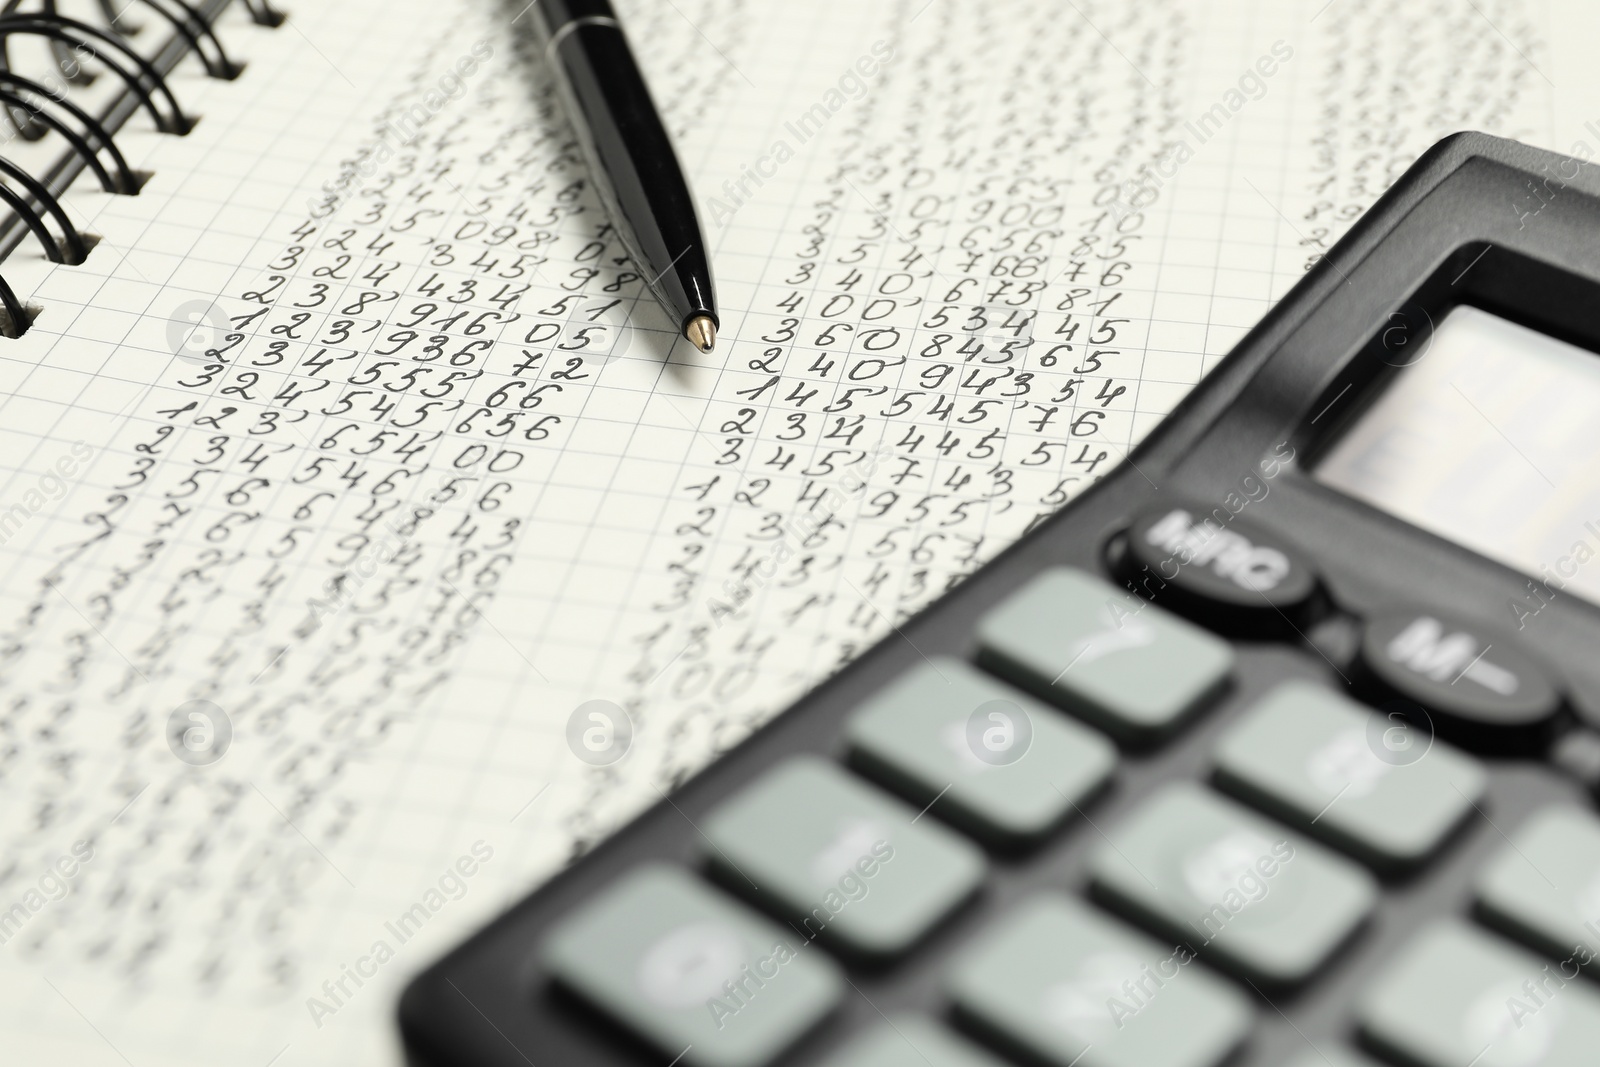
701	332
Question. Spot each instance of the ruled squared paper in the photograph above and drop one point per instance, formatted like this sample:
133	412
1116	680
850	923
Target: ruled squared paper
359	438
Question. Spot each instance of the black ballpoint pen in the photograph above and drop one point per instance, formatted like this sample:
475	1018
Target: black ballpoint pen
630	157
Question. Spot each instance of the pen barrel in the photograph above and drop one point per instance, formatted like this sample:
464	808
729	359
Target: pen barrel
632	164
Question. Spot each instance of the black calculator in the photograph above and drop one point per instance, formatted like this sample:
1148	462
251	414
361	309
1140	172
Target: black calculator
1279	746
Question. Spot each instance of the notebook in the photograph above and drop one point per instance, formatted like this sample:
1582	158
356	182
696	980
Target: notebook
372	548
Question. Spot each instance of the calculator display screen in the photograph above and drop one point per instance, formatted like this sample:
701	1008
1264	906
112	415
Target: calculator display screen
1490	438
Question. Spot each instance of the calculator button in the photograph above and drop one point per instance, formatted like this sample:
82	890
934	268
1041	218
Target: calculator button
1103	653
1480	688
1577	753
1000	764
1544	886
1070	986
1457	996
1199	867
840	858
1222	569
911	1041
683	966
1382	791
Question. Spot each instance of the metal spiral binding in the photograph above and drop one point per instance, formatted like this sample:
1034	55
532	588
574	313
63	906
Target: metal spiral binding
190	23
144	81
37	106
70	247
17	317
33	110
260	10
193	27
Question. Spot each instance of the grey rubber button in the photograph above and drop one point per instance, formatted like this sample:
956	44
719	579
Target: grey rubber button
685	967
990	759
1104	654
840	858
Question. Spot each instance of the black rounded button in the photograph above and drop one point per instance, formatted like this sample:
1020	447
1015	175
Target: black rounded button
1482	690
1207	563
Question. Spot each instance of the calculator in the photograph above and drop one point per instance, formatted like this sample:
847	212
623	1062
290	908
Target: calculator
1278	746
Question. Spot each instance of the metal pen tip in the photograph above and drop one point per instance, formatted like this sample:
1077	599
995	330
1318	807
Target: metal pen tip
701	332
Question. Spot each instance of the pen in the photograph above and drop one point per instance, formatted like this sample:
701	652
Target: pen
630	157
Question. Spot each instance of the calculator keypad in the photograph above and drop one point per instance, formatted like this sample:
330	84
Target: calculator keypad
1236	573
1200	868
1544	885
1109	657
870	876
1480	688
1072	987
685	967
1455	996
1376	787
992	760
842	859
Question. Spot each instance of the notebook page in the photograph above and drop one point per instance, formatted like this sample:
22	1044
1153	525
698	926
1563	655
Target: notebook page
448	488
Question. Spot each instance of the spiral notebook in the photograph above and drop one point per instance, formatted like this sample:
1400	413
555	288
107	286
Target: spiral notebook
349	470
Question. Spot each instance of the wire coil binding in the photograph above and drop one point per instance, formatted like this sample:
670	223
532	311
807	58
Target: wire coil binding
34	109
